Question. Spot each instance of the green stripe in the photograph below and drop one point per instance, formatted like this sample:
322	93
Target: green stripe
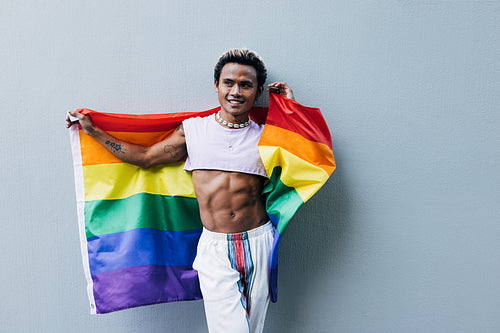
282	201
143	210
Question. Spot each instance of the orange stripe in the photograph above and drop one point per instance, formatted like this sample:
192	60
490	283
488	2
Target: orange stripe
313	152
94	153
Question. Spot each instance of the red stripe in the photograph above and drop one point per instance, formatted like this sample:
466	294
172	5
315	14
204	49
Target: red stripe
240	256
117	122
292	116
141	123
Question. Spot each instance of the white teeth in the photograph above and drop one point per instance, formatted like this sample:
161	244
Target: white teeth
235	102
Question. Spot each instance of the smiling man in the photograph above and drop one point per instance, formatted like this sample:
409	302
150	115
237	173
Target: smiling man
228	176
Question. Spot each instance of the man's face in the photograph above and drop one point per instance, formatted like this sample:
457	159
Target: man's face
237	90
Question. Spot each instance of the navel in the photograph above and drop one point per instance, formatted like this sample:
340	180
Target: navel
233	215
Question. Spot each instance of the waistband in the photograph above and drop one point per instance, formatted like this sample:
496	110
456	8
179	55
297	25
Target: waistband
256	232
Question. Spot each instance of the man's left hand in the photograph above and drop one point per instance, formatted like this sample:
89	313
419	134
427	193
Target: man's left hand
281	88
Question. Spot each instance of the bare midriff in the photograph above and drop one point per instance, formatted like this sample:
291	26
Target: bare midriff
230	202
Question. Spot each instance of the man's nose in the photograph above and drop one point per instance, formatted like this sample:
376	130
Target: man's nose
235	90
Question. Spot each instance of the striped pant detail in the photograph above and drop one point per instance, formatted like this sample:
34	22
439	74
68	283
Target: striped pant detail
233	270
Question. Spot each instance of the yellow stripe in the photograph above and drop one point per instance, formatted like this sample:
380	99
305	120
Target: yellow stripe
122	180
294	171
94	153
313	152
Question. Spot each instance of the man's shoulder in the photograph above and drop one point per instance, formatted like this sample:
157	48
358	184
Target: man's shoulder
192	120
198	119
195	124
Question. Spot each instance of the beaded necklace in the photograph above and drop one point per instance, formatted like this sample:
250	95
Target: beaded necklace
231	125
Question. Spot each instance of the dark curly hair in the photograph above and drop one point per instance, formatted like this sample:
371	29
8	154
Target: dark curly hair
242	57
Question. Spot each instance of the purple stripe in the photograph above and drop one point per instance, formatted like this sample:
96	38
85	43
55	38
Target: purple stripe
142	285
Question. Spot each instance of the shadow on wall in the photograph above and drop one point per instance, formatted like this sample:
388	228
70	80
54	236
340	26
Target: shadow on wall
311	251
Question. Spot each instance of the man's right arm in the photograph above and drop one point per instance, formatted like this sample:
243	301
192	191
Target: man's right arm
169	150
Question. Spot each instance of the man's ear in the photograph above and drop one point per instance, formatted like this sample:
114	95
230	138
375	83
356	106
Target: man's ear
260	90
216	87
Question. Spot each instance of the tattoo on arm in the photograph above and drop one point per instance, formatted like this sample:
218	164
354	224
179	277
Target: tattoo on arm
117	147
172	150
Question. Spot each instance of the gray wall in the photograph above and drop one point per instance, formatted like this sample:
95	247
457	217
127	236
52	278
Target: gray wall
405	237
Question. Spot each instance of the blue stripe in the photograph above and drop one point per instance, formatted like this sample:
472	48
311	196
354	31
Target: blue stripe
140	247
274	220
273	263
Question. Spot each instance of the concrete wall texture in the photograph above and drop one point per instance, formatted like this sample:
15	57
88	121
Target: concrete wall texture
405	237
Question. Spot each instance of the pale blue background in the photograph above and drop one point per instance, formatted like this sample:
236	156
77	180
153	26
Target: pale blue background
405	237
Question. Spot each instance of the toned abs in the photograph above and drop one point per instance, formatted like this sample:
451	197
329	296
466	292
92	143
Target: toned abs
229	202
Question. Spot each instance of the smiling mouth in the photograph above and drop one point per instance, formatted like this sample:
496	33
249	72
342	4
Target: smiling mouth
234	102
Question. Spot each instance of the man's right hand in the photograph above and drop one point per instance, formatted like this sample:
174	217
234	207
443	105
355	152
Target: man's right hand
85	122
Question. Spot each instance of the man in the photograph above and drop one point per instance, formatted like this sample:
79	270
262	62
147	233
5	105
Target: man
228	176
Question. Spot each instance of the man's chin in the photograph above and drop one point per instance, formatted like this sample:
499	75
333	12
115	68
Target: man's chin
235	106
236	110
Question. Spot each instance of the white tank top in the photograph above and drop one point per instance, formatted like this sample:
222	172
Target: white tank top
212	146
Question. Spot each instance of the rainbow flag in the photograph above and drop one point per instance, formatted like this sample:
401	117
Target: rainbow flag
139	227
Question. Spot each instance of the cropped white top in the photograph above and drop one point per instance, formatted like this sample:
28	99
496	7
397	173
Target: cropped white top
212	146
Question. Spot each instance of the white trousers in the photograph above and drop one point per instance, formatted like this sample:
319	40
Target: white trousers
234	278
